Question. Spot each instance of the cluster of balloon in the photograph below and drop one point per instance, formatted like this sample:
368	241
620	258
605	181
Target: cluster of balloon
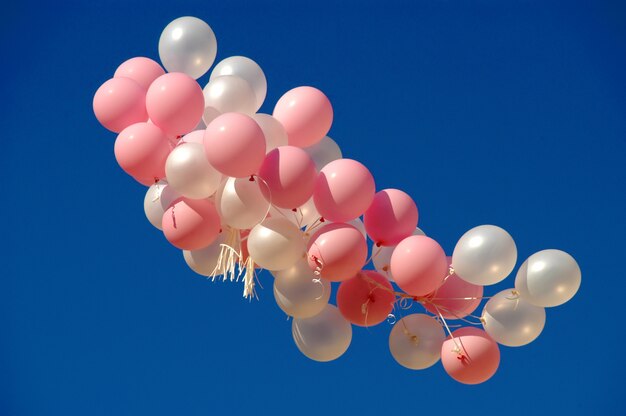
238	190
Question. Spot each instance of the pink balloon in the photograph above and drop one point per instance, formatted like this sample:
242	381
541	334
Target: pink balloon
141	150
473	359
391	217
234	145
344	189
175	103
338	251
449	297
290	174
306	114
120	102
365	303
142	70
418	265
196	136
191	224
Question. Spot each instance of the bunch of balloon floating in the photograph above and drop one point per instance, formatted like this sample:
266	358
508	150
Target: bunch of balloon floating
238	190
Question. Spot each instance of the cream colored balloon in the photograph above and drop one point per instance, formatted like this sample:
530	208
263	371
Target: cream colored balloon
230	94
273	130
189	172
276	244
158	199
241	203
204	261
415	341
381	257
323	337
512	321
324	152
299	292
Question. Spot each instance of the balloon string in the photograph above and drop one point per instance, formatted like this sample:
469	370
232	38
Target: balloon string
269	192
375	253
158	190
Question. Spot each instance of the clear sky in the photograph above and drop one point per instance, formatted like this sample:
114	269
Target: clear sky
487	112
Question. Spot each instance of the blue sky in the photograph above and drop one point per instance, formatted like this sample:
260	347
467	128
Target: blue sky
487	112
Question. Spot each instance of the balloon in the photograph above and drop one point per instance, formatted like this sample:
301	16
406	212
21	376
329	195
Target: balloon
188	45
141	150
275	244
204	260
418	265
290	176
306	114
358	224
415	341
381	257
548	278
189	172
484	255
303	216
274	132
230	94
366	299
299	293
209	115
471	356
323	337
234	145
240	203
344	190
391	217
455	298
324	152
512	321
191	224
196	136
120	102
175	103
141	70
158	199
338	251
247	69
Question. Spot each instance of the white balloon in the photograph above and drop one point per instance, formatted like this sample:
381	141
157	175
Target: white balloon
158	199
204	261
247	69
548	278
382	257
323	337
484	255
209	115
230	94
241	203
188	45
304	216
358	224
276	244
512	321
324	152
415	341
299	292
188	171
273	130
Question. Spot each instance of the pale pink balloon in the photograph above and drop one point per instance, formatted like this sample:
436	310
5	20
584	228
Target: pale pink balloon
391	217
473	359
175	103
234	145
196	136
338	251
364	302
455	298
290	174
306	114
418	265
120	102
142	70
344	189
141	150
191	224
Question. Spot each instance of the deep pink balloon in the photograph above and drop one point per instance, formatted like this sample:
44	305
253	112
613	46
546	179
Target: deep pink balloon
234	145
391	217
455	298
306	114
418	265
344	189
191	224
363	302
338	250
473	359
141	150
120	102
290	174
175	103
142	70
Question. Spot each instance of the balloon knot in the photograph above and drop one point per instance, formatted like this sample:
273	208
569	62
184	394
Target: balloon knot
294	209
322	219
385	268
251	178
378	244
